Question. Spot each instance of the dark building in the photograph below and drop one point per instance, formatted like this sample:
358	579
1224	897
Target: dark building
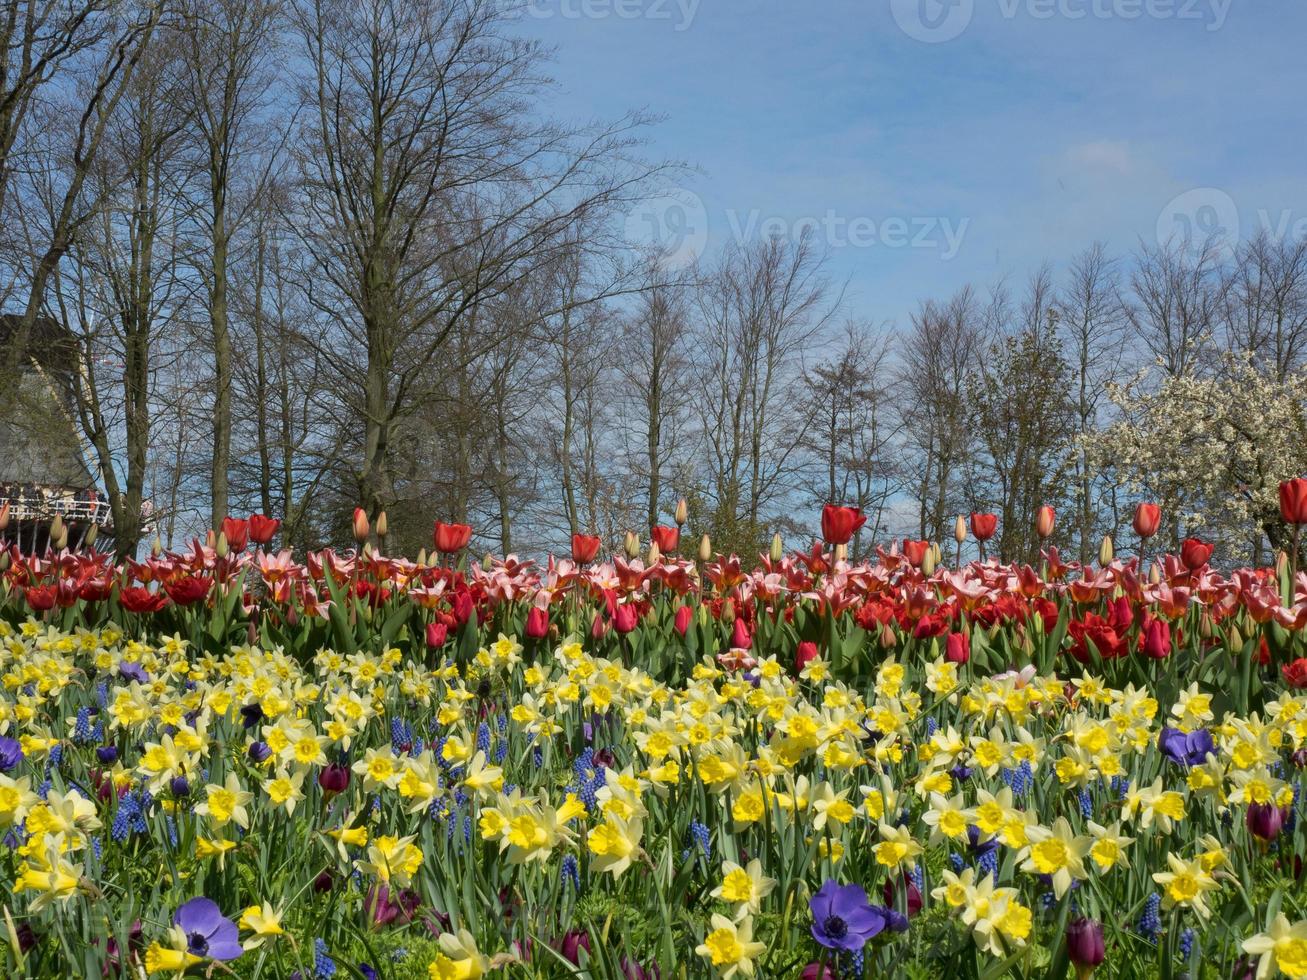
43	469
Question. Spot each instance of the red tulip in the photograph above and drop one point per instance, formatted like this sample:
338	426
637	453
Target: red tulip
668	539
361	526
450	539
683	617
41	597
188	590
141	600
1293	501
625	618
1295	674
1045	519
237	532
806	653
598	627
840	524
537	623
585	548
436	634
740	638
957	648
915	551
462	607
1148	518
1119	614
263	529
1156	639
1194	554
983	526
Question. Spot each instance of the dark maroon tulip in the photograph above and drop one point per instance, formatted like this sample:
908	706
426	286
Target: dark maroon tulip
1084	943
1264	820
334	778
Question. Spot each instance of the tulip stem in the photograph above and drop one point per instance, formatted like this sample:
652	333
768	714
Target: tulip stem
1293	565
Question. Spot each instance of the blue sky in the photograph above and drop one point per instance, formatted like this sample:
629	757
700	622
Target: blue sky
1041	126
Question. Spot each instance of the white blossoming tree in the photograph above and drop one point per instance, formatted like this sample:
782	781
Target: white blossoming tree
1211	449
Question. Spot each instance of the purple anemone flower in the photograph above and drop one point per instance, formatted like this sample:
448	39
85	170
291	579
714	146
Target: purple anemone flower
133	671
208	932
11	753
842	918
1191	749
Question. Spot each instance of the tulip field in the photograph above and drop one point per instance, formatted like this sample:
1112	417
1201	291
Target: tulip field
231	761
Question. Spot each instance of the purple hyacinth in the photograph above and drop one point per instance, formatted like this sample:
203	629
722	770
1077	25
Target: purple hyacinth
843	919
208	932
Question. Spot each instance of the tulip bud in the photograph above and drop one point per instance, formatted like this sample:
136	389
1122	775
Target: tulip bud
4	516
220	546
488	561
728	611
1206	628
777	547
959	530
705	548
928	562
210	539
1045	519
1281	562
939	554
888	638
632	545
1234	640
682	511
92	533
382	527
654	553
61	539
156	547
362	527
1084	945
1105	551
422	558
1264	820
1154	574
56	526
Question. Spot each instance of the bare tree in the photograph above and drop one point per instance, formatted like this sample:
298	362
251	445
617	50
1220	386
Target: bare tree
853	430
428	190
760	309
227	46
937	356
93	50
1263	303
1175	301
1092	322
122	291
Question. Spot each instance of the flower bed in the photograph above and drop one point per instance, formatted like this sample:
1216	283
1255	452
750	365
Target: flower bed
231	762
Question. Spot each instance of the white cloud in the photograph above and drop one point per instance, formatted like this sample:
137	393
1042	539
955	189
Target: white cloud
1100	155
